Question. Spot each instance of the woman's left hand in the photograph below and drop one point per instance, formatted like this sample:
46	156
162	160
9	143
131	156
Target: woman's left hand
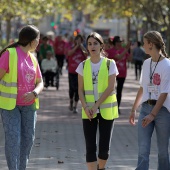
28	97
94	109
147	119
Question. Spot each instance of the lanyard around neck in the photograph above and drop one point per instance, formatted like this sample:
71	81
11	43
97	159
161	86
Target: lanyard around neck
151	73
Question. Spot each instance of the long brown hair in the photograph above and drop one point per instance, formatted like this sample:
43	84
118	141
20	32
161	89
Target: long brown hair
156	38
27	34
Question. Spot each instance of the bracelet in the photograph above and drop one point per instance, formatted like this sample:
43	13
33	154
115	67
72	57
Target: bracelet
85	107
35	94
153	115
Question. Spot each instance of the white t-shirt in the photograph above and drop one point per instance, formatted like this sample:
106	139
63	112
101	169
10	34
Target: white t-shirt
160	80
49	65
95	70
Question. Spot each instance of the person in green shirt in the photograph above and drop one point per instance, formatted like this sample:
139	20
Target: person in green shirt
44	47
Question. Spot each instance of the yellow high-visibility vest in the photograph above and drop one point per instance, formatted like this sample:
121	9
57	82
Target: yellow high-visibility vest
109	108
8	84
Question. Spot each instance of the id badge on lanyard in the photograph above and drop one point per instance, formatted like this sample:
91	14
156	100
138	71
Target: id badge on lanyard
151	88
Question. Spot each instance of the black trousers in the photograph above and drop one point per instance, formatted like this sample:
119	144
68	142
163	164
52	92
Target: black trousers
49	77
73	86
60	60
138	67
105	135
120	83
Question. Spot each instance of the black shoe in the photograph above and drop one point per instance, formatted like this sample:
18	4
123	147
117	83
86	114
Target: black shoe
46	86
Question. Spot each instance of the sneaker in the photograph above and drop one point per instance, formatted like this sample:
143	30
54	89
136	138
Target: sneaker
75	110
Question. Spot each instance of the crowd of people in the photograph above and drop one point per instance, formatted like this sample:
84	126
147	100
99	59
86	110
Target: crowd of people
96	75
65	49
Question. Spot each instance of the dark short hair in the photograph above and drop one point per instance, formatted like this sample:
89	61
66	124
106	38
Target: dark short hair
116	39
79	36
139	43
45	38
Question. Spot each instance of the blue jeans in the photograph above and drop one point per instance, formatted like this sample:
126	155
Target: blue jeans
19	128
161	124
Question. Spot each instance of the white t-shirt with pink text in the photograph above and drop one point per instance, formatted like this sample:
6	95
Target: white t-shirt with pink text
160	81
26	74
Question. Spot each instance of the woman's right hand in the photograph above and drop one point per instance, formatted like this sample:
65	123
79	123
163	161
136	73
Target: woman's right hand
132	118
128	45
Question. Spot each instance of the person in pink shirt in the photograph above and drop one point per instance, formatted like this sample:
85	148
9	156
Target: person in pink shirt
68	45
120	55
76	55
19	117
59	45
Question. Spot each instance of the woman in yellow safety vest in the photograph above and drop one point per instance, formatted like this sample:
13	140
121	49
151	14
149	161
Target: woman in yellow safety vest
96	79
20	83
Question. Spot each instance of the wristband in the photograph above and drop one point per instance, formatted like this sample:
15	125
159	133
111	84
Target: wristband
35	94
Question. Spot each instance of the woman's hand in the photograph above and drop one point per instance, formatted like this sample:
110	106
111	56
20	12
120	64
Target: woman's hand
88	113
94	108
132	118
147	119
128	45
28	97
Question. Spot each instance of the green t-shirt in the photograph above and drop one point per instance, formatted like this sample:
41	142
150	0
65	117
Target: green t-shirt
44	50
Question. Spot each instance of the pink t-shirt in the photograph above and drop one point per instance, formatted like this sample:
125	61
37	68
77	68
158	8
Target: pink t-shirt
26	74
74	60
59	47
68	46
121	64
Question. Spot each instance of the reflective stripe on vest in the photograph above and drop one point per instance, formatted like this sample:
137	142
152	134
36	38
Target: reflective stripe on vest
104	105
90	92
109	108
8	95
2	82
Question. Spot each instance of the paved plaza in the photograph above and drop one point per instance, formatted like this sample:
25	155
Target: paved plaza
59	142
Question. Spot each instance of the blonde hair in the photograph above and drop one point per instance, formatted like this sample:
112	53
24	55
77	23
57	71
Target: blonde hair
156	38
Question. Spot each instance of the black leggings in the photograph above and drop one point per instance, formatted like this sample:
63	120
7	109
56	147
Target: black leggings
138	67
105	135
73	86
120	83
60	60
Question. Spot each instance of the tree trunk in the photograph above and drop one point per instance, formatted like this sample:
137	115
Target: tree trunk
128	29
8	30
168	40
